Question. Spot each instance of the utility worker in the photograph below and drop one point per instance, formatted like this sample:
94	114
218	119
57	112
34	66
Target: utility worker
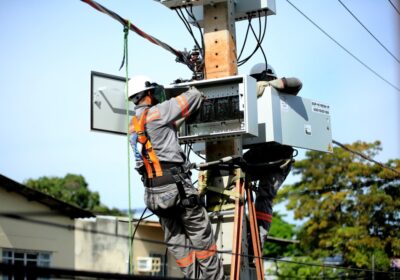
268	163
169	192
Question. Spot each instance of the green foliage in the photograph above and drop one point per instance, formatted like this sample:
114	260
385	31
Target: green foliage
72	189
284	230
294	268
351	206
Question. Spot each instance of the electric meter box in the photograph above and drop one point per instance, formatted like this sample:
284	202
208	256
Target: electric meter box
243	8
292	120
229	109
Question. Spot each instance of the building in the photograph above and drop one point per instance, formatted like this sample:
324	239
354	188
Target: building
36	229
102	244
39	230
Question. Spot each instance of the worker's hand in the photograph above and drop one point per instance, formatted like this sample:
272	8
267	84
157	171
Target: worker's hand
261	85
179	122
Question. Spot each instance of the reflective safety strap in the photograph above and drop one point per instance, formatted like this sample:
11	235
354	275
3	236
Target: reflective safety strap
201	255
186	261
150	159
264	216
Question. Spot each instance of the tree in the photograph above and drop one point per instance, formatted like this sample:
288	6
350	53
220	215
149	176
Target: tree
72	189
351	206
284	230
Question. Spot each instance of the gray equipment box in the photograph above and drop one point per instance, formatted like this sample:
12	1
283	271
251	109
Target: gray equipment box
229	110
292	120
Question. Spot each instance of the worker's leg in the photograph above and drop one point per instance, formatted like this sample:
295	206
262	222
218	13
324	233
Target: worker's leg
268	187
179	244
163	202
199	230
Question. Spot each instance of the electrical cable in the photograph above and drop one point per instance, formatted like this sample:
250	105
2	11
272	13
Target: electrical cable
191	14
125	61
366	157
73	227
394	7
343	48
181	15
370	33
259	39
260	46
137	225
179	55
244	41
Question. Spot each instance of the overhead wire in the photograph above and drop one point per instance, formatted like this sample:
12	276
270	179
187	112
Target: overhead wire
16	216
343	48
180	55
394	7
366	29
366	157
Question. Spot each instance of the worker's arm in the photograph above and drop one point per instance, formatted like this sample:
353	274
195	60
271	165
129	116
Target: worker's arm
179	108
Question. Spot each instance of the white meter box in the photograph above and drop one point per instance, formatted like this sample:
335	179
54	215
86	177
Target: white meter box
243	10
292	120
229	110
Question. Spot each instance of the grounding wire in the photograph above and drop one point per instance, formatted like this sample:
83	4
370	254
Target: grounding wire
126	33
370	33
343	48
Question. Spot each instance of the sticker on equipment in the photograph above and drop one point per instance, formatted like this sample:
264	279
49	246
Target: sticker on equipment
319	108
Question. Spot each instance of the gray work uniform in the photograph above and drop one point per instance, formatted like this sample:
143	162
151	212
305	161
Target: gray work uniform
269	176
187	230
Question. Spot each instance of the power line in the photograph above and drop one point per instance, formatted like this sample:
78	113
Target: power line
343	48
370	33
394	7
16	216
366	157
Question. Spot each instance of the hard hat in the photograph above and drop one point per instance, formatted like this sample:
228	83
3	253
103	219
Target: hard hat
260	72
138	84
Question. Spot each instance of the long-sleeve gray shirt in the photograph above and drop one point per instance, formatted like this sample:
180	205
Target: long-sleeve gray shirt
160	123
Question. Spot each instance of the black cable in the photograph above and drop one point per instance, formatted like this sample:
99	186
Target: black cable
245	40
188	27
137	225
33	272
391	3
72	227
261	48
343	48
370	33
191	14
259	39
366	157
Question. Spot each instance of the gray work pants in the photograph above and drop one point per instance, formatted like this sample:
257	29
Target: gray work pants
269	183
187	231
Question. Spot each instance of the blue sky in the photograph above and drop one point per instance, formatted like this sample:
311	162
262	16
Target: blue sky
48	49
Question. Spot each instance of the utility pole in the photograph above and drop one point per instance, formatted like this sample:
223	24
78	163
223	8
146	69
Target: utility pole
220	61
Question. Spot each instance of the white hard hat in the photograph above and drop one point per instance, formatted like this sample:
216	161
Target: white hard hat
138	84
259	69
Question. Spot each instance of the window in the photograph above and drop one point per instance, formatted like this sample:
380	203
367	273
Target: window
26	258
163	265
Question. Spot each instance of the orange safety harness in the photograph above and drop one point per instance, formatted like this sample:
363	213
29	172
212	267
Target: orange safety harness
149	157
